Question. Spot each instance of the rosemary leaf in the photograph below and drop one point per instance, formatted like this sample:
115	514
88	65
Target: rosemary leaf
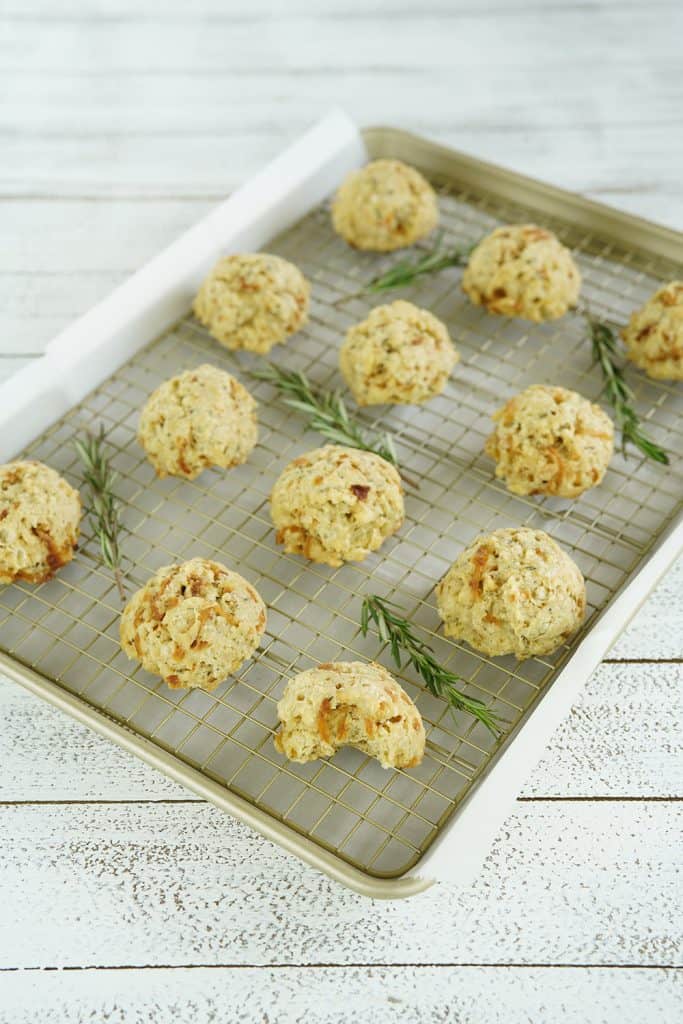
397	632
405	272
618	392
327	413
103	505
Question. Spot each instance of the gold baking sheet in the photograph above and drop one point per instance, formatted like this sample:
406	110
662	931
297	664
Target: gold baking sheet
379	822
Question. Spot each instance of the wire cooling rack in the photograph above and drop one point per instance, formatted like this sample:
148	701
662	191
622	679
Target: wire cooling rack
378	821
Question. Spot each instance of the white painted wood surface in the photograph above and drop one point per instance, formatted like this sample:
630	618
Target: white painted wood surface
137	884
343	995
121	124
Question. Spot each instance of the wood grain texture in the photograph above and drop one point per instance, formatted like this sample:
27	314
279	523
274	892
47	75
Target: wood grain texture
133	103
342	995
624	737
122	124
183	884
89	237
656	631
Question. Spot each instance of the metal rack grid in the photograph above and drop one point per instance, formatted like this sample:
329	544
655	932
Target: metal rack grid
380	822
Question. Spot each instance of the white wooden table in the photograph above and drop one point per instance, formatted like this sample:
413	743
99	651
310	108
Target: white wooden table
121	896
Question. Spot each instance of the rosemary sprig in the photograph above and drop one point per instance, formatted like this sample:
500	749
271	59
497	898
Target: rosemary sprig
405	272
103	504
327	413
618	392
396	631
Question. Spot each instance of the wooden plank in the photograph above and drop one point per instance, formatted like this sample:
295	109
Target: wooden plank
155	113
623	739
38	306
183	884
51	272
27	338
245	42
655	631
176	100
59	245
173	166
78	11
346	995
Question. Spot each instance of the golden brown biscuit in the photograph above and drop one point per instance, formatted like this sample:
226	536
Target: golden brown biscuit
349	703
549	440
202	417
336	504
193	624
513	591
522	270
654	335
253	301
399	354
383	206
40	515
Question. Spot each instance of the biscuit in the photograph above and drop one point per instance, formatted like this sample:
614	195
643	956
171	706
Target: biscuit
513	591
202	417
399	354
654	335
253	301
549	440
522	270
40	515
349	703
385	205
336	504
193	624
